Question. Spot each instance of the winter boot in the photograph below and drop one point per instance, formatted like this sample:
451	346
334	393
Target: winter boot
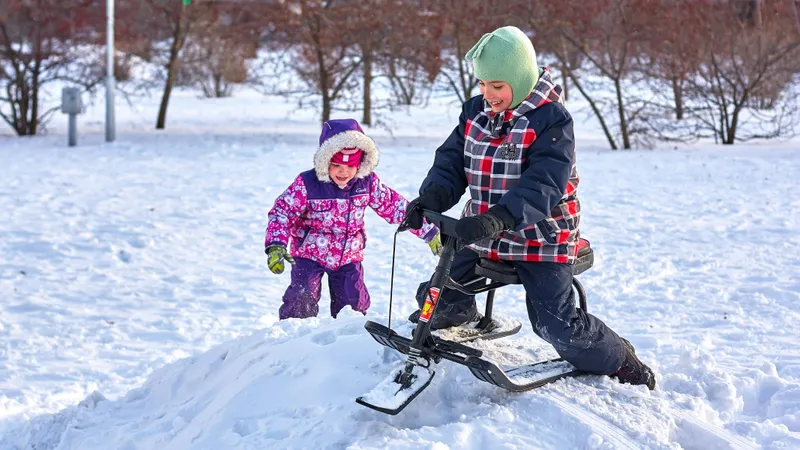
633	370
443	318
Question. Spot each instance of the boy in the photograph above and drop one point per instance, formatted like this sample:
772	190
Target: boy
514	149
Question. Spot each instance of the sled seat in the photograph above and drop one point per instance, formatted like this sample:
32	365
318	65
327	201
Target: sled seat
505	272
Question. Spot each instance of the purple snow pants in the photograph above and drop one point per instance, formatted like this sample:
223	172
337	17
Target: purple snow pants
346	286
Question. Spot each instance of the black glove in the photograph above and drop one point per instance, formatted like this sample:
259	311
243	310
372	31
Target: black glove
434	198
488	224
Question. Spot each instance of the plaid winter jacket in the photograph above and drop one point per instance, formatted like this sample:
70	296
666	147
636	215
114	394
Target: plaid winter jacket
523	159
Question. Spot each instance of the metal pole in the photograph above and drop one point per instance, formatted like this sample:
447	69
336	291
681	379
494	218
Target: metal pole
73	130
110	126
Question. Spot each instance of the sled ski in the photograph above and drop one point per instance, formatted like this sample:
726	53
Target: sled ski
390	396
516	379
521	378
426	347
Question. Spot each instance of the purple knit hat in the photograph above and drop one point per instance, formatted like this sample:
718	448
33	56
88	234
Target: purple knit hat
341	134
333	127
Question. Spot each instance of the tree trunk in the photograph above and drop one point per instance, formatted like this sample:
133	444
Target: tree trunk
737	109
326	107
219	89
623	122
596	110
24	104
758	21
172	68
34	123
366	53
324	85
677	92
796	14
406	95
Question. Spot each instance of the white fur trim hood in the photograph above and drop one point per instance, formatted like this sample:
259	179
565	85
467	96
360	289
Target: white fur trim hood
339	141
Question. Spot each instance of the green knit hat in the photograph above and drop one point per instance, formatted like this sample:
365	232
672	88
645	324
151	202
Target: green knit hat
506	54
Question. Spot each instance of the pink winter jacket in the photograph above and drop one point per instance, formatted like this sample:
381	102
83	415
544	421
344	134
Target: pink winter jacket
326	223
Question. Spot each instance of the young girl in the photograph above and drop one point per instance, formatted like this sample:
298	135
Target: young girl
322	214
514	150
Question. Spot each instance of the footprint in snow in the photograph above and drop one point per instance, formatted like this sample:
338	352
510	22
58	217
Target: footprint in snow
137	243
124	256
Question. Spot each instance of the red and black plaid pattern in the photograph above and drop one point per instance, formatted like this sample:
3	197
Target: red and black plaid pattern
494	160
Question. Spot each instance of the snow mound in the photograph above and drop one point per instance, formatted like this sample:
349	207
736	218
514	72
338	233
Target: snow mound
294	384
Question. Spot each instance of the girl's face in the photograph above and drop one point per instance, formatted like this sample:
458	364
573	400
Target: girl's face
341	174
497	93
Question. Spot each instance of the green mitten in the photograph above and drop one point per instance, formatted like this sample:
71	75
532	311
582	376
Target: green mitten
275	257
436	244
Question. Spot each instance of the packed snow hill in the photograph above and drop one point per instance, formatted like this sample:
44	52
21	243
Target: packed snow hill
138	311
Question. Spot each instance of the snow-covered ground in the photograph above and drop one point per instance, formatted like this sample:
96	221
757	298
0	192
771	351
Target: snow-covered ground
136	310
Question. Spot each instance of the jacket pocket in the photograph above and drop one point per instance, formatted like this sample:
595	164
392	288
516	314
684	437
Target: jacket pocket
320	205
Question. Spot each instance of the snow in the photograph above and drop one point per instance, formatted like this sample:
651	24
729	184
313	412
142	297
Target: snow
137	311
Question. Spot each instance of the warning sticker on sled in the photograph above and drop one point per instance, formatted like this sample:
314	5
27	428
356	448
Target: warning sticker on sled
430	301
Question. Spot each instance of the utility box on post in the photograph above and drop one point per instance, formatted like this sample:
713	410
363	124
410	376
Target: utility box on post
71	104
71	100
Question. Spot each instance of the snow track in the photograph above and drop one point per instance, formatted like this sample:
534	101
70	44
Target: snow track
612	434
694	433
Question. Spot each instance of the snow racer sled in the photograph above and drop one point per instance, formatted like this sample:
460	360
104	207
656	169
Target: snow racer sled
397	390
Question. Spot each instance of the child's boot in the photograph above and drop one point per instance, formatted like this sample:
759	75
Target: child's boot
633	370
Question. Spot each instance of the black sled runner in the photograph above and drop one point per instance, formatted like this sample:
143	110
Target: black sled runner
425	348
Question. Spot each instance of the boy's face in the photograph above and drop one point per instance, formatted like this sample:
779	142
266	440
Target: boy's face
341	174
497	93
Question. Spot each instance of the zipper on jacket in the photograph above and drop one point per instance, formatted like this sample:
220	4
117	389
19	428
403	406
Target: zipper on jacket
346	229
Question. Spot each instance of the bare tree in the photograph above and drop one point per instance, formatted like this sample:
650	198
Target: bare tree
610	47
549	22
41	43
412	58
176	19
670	53
461	33
410	76
370	24
745	88
161	29
319	47
214	64
392	37
216	54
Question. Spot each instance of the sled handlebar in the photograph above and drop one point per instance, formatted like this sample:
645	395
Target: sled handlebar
446	224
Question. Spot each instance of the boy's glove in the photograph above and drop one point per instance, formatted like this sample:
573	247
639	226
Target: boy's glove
436	244
434	198
486	225
275	257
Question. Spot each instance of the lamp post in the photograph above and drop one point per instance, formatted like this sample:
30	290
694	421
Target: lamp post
110	127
